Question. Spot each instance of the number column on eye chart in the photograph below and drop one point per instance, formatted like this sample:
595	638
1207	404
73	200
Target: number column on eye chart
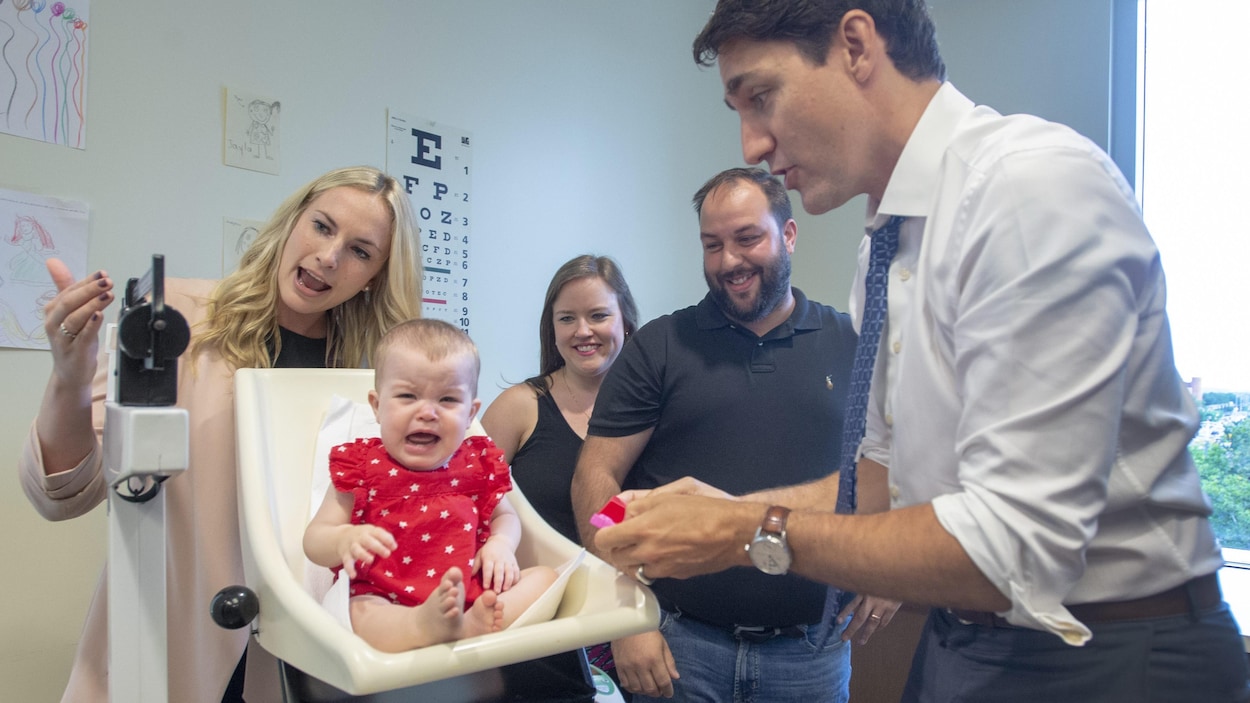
433	163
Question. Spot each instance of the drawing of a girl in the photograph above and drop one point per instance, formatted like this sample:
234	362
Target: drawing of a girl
36	245
260	133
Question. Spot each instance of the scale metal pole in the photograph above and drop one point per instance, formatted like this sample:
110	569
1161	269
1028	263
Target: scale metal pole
145	442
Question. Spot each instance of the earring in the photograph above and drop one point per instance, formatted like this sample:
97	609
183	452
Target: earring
366	292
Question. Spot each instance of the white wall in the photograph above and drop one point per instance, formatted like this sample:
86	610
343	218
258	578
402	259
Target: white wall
592	127
1045	58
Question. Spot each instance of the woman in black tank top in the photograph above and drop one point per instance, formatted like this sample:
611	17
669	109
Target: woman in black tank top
587	315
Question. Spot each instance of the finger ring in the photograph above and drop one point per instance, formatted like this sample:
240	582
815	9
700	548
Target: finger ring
874	616
67	333
642	578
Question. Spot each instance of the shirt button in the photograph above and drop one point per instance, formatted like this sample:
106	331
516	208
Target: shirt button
904	274
889	420
894	492
897	347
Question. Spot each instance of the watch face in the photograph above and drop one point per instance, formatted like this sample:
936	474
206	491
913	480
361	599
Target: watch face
770	555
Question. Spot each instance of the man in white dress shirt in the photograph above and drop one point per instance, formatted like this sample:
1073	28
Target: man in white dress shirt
1024	399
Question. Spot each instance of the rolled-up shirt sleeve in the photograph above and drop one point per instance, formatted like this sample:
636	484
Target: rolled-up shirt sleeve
1045	322
62	495
74	492
1029	392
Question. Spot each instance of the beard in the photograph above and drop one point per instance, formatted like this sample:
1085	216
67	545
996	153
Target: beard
774	279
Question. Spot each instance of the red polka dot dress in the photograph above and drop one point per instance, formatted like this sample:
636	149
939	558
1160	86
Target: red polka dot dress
439	518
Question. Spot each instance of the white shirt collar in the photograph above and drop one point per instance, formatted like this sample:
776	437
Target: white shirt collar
915	179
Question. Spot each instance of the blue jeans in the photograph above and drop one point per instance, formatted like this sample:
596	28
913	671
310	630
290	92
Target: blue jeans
1178	659
716	667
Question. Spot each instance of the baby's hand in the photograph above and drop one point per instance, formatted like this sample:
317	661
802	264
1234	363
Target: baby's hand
497	564
360	543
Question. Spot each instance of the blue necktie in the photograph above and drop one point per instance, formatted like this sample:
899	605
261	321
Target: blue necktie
880	254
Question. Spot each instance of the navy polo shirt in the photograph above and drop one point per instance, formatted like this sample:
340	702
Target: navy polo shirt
742	413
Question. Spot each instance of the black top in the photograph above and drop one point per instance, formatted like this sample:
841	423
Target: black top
543	467
742	413
299	352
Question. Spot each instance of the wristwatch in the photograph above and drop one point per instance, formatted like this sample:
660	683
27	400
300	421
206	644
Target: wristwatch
769	551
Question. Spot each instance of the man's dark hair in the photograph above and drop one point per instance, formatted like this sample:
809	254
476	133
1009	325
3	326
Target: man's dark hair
908	30
774	191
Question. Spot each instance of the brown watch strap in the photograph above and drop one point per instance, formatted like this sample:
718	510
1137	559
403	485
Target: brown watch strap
775	520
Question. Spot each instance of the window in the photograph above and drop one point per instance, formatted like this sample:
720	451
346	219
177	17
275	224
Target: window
1193	169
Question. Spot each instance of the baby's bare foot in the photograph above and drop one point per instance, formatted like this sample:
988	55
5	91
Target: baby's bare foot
441	617
484	616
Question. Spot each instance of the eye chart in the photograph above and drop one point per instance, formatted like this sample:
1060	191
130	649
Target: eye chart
433	162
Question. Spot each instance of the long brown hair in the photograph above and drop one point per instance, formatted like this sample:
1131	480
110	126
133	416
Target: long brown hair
585	266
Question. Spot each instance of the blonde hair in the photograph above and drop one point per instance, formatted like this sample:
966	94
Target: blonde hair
434	338
242	318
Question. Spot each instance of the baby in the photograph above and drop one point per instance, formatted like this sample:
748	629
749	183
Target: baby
409	514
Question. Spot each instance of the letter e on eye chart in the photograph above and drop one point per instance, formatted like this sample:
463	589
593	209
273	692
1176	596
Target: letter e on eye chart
433	163
253	132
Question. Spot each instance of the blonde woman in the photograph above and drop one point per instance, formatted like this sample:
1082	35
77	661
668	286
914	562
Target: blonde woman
333	269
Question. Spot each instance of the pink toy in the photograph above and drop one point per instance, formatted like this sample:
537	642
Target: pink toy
611	513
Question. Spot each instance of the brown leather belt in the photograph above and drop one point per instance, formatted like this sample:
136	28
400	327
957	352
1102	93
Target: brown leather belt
1196	594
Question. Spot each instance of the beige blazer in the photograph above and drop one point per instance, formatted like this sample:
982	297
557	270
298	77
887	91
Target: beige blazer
203	552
